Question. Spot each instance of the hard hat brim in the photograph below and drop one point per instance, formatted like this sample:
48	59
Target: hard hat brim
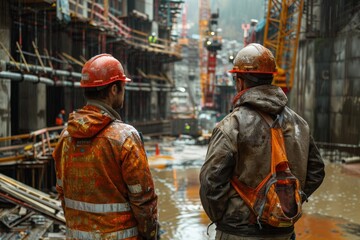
96	84
239	71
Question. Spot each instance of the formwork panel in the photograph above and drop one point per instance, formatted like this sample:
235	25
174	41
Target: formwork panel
336	104
355	86
352	68
337	87
337	70
353	43
321	125
339	49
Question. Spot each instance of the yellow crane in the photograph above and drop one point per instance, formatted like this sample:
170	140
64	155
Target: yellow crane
281	36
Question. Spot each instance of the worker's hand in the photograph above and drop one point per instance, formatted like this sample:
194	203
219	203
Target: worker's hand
155	235
158	232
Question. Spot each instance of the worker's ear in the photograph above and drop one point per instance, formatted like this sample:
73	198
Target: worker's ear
114	89
239	84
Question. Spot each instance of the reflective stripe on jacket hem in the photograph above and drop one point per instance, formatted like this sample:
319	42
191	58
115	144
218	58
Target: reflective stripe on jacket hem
97	208
122	234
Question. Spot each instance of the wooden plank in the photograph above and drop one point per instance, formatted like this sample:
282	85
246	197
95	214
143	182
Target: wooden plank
22	197
39	200
27	188
48	58
38	55
56	217
20	136
12	59
15	158
73	59
22	56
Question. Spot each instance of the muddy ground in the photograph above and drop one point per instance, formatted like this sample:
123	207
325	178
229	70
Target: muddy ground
331	213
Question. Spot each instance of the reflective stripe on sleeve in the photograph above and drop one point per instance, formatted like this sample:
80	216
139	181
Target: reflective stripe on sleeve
122	234
59	182
97	208
135	188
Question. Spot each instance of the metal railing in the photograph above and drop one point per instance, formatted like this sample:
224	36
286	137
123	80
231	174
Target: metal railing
31	146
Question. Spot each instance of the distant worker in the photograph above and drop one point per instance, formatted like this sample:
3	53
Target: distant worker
103	176
240	148
187	128
60	118
152	38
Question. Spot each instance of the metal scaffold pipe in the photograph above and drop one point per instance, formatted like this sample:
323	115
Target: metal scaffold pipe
26	77
37	68
15	76
36	79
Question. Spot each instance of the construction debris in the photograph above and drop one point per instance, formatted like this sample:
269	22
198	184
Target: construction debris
32	215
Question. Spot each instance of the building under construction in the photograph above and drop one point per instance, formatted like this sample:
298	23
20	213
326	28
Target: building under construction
44	45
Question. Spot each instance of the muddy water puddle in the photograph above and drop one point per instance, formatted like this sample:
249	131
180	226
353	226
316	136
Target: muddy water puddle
180	211
332	212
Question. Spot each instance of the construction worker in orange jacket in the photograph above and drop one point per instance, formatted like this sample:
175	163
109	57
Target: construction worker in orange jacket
59	120
103	177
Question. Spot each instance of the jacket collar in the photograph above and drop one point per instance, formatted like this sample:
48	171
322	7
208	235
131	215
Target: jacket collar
105	108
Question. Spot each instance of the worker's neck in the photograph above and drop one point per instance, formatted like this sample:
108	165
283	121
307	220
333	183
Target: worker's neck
105	106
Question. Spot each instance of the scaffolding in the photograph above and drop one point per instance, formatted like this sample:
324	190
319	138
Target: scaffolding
50	43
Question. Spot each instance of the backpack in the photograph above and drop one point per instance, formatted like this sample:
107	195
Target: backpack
277	200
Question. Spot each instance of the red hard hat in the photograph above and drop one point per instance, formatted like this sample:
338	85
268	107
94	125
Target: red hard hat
254	58
101	70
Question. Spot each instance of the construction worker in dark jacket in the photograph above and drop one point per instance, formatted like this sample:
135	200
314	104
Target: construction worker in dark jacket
240	145
103	177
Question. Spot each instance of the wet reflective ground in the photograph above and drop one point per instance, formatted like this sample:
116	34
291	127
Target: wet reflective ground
332	212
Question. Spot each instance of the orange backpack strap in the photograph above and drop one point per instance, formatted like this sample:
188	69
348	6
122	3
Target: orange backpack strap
238	186
271	122
249	194
278	152
241	189
267	118
276	201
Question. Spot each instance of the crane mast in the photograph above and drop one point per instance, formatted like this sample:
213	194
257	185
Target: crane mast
210	43
281	36
204	16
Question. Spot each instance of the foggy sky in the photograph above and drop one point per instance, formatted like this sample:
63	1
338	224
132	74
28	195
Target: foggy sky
232	14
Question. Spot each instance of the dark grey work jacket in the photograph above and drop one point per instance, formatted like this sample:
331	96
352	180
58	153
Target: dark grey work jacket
241	145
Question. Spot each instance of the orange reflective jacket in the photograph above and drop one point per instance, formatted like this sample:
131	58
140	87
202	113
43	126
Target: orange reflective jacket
59	121
103	178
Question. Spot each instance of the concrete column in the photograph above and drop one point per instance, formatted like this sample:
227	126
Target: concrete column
32	106
154	112
67	46
5	86
124	11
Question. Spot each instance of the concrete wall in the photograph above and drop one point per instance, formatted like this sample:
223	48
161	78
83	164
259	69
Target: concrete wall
327	87
5	85
345	89
32	106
